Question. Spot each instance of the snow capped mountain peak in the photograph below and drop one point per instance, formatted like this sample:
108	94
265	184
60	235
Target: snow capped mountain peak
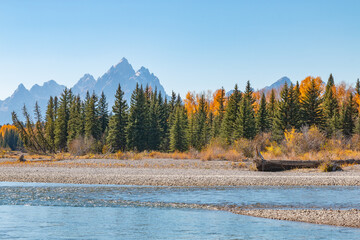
86	78
143	71
123	63
122	73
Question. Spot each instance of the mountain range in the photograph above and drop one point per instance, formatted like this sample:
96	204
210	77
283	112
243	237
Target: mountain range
121	73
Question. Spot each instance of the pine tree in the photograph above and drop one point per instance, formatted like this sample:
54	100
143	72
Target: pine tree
50	124
201	125
312	113
154	124
282	118
246	124
56	107
262	119
294	106
219	116
228	125
163	119
92	123
137	137
357	87
75	121
331	107
348	117
103	113
178	139
61	123
272	107
118	123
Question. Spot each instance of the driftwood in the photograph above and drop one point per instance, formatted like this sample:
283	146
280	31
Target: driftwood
281	165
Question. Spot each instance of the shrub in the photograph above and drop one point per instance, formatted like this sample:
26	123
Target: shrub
81	146
274	150
262	141
307	140
245	147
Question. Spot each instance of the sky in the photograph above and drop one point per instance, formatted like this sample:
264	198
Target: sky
189	45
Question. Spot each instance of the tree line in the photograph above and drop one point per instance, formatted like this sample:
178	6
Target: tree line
9	138
152	122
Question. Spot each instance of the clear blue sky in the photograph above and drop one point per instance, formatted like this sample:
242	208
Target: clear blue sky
189	45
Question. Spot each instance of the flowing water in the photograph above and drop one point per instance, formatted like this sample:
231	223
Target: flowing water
70	211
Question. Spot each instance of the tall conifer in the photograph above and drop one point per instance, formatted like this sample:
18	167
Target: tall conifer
262	118
228	125
118	123
312	113
61	123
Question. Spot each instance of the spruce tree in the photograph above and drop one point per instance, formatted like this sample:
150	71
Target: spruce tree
61	123
272	107
178	139
348	117
50	124
294	107
228	125
92	123
262	119
164	115
245	122
75	120
118	123
56	107
219	116
312	113
357	87
103	113
137	131
282	118
201	124
154	124
331	108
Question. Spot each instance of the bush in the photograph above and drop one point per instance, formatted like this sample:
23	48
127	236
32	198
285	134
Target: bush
274	150
354	142
219	150
307	140
81	146
245	146
262	141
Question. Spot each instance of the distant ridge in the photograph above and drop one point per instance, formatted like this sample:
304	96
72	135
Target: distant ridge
121	73
276	86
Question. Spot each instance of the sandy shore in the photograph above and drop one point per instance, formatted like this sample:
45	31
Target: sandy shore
168	172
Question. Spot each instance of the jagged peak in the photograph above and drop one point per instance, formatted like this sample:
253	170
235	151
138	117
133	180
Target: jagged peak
21	87
123	61
86	77
143	71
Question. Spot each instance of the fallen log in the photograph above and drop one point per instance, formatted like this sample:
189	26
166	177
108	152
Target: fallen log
282	165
